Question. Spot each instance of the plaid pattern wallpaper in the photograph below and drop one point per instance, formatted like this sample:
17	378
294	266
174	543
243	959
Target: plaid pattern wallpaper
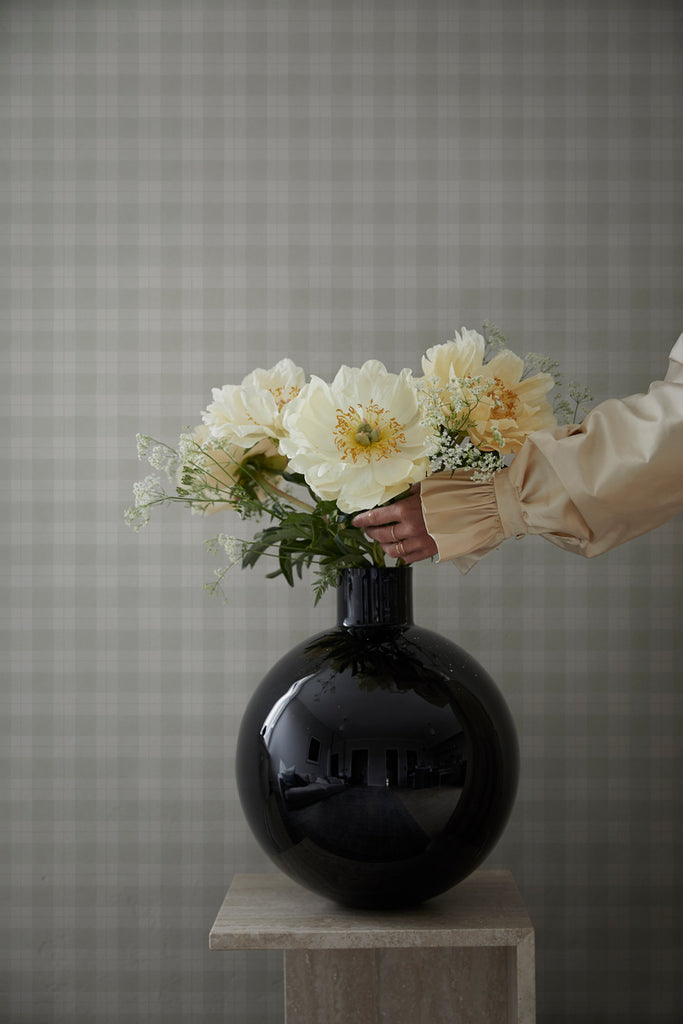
192	190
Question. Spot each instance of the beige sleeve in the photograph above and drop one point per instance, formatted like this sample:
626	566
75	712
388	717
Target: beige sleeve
586	487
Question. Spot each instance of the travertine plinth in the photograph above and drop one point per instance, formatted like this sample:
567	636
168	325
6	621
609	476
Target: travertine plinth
465	957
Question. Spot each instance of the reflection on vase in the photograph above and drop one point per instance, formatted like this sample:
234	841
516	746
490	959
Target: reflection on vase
377	763
396	759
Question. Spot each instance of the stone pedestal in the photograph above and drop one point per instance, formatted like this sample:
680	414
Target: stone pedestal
466	957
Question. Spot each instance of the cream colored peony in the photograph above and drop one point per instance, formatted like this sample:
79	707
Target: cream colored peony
499	403
358	441
513	408
247	413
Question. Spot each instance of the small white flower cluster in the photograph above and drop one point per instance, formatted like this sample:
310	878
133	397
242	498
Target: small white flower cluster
163	459
146	492
573	408
233	548
144	444
448	407
466	456
188	447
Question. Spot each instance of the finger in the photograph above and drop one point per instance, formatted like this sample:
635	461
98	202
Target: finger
419	556
411	552
388	535
419	544
407	508
376	517
400	550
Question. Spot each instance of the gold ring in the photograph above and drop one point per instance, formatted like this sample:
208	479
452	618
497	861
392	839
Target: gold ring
371	515
401	550
393	533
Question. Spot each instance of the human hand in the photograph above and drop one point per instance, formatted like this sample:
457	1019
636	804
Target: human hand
399	528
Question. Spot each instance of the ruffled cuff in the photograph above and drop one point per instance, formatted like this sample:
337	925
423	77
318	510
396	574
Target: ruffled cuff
468	518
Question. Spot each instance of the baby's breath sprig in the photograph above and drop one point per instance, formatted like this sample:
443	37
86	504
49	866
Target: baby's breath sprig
147	493
448	409
573	408
494	338
534	362
234	549
466	456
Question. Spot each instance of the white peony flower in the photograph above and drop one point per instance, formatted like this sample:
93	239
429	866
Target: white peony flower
247	413
462	357
358	441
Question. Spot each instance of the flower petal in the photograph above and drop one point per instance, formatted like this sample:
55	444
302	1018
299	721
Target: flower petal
506	366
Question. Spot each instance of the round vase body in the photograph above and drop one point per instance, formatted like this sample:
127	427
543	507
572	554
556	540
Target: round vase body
377	762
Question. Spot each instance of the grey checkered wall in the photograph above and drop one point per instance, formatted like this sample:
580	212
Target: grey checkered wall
193	190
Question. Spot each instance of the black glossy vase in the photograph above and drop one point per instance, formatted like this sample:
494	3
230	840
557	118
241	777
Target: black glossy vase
377	762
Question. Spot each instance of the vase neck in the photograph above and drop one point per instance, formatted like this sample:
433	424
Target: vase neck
375	596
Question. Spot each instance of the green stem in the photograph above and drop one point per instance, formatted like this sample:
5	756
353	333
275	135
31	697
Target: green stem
273	489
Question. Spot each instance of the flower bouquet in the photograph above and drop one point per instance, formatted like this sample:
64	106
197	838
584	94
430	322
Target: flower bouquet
306	456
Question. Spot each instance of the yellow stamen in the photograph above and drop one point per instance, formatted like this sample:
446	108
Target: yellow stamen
505	401
284	394
367	433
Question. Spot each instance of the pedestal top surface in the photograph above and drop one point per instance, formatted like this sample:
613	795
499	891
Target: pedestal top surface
270	911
